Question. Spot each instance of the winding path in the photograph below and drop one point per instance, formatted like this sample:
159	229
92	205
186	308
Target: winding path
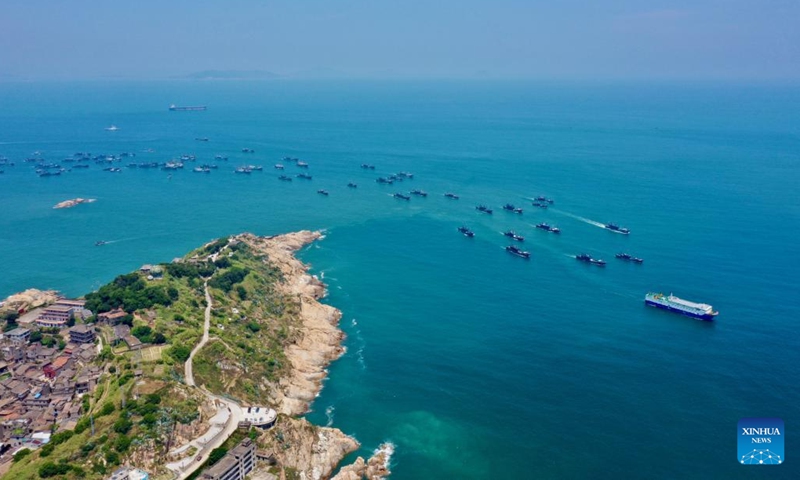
189	373
187	466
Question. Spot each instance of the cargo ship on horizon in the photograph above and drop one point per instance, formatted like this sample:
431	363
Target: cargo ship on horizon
195	108
672	303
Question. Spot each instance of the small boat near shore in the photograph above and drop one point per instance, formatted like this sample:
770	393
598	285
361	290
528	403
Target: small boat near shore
484	209
367	166
100	243
285	178
323	192
419	193
278	166
304	176
401	196
511	208
451	196
352	185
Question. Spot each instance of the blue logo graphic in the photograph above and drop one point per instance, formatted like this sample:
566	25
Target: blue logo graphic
760	441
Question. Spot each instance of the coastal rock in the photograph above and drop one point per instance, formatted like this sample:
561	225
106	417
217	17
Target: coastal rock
74	202
376	468
312	452
30	299
318	338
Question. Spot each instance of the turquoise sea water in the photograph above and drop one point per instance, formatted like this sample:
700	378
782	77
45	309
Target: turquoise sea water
474	363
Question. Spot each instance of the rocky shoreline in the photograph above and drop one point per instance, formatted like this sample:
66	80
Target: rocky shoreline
314	452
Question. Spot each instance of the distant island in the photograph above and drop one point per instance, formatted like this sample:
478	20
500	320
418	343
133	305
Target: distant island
231	75
74	202
205	364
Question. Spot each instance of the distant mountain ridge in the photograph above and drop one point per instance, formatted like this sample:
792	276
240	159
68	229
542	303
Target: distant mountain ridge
231	74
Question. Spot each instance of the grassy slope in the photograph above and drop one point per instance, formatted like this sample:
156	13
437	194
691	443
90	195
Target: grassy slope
247	347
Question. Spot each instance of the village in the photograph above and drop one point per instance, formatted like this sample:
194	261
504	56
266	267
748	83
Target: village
47	364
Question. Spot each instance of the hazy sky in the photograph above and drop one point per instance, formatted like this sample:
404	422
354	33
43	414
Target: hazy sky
702	39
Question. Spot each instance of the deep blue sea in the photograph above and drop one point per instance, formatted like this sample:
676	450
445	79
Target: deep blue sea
473	363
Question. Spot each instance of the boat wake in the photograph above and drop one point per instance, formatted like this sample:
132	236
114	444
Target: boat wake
582	219
361	345
329	415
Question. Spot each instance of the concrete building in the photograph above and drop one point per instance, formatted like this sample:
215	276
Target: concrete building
55	316
81	334
18	335
261	417
235	465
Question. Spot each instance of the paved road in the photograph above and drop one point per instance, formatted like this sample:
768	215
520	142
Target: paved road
187	466
189	374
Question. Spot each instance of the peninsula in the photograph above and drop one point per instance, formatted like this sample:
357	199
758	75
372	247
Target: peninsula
202	362
74	202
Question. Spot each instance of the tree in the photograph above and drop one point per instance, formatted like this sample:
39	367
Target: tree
71	320
216	455
158	338
180	352
142	332
35	337
123	425
242	292
108	409
21	454
50	469
122	444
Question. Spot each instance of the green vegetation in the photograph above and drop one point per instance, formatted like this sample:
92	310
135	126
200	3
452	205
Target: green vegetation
21	454
129	292
252	322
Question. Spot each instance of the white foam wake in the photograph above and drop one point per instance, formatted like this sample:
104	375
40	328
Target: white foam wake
582	219
329	415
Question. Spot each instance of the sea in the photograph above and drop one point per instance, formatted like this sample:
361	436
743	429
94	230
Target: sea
470	362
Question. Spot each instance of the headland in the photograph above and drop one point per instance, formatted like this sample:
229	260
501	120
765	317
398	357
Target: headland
189	361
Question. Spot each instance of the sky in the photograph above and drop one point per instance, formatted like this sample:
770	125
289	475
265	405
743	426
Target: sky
554	39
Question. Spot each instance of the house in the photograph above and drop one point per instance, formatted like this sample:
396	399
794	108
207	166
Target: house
81	334
132	342
19	335
51	370
113	317
55	316
120	332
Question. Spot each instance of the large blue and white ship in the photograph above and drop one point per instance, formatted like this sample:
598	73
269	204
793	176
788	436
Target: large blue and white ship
685	307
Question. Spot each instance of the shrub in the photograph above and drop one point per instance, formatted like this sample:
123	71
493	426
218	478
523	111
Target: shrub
107	409
46	450
180	352
253	327
123	425
122	444
21	454
61	437
50	469
216	455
